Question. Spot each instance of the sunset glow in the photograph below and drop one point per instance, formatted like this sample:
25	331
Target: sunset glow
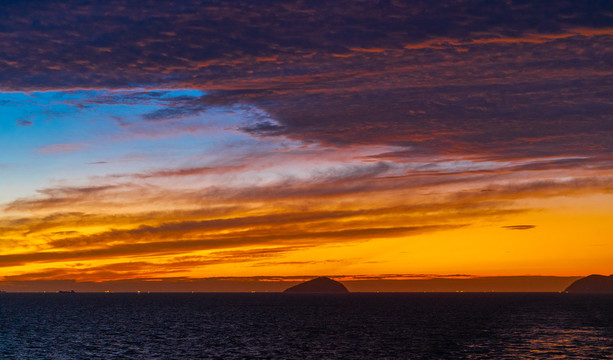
204	149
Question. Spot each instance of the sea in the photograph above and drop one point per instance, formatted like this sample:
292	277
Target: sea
297	326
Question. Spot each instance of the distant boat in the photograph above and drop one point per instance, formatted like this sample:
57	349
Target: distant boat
66	292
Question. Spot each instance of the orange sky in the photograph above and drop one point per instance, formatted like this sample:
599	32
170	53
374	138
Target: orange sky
373	145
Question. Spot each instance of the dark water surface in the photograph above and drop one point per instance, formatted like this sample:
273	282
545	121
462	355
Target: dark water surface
281	326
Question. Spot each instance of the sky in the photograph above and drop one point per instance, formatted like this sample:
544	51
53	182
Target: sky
264	142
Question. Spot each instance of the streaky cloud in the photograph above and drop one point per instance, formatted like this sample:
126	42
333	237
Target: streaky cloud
519	227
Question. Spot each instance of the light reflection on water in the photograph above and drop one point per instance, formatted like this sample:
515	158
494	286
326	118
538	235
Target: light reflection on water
352	326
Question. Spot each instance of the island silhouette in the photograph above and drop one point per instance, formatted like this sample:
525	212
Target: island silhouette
320	285
593	284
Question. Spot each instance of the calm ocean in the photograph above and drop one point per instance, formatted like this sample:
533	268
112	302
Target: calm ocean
278	326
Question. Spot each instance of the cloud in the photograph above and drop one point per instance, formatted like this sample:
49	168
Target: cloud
68	196
61	148
163	233
264	128
248	239
24	123
519	227
147	269
467	77
43	281
202	170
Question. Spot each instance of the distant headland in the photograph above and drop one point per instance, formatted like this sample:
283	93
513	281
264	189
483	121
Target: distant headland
320	285
593	284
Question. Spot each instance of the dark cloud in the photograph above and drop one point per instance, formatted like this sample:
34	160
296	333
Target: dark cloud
172	113
519	227
135	39
504	79
264	128
382	283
